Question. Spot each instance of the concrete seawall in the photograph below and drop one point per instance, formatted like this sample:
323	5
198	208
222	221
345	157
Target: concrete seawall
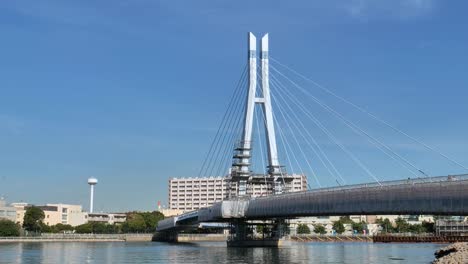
80	238
201	237
334	238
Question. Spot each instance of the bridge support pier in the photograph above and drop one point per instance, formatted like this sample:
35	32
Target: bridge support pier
271	233
166	236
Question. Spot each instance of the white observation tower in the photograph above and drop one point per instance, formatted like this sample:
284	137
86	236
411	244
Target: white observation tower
92	181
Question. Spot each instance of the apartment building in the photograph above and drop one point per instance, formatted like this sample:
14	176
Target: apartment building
67	214
187	194
7	212
107	218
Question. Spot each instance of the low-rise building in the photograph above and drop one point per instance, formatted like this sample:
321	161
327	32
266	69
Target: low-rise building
67	214
108	218
6	211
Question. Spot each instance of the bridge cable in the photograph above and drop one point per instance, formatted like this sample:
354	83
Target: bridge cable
203	169
312	138
337	142
225	131
295	140
205	166
282	137
356	128
371	115
285	117
232	130
225	148
296	101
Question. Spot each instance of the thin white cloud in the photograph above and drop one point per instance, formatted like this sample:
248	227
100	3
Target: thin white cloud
403	9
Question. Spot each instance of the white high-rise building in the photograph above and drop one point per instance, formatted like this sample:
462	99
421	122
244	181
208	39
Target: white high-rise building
187	194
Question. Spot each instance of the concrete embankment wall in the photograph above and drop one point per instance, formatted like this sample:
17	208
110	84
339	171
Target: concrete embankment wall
334	238
80	238
419	239
394	238
201	237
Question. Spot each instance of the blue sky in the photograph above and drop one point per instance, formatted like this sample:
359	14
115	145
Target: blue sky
132	91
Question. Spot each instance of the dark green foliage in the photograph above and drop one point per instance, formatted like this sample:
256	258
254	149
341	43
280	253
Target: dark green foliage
428	227
84	228
338	227
319	229
262	229
142	222
303	229
135	224
402	226
45	228
151	220
416	229
385	224
9	228
97	228
60	228
359	227
346	220
33	219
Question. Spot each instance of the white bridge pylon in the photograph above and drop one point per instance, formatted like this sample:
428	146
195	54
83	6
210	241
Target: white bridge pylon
240	171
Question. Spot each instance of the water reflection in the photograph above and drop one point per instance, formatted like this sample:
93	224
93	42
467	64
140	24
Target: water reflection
150	252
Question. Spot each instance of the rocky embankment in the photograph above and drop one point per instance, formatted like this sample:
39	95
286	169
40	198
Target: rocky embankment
454	253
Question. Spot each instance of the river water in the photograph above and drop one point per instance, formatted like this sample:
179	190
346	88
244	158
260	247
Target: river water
207	252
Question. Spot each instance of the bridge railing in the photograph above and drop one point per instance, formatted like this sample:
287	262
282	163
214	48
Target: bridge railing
436	179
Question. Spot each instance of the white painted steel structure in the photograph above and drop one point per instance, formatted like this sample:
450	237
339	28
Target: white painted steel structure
91	181
241	169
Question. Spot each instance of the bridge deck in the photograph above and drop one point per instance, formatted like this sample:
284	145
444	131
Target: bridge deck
437	195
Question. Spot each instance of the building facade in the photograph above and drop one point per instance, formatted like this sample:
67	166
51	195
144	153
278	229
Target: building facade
67	214
7	212
187	194
106	218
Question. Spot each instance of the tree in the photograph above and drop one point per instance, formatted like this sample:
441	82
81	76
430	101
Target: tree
135	223
9	228
84	228
385	224
428	227
151	220
338	227
45	228
359	227
59	228
319	229
303	229
417	229
346	220
33	219
98	228
402	225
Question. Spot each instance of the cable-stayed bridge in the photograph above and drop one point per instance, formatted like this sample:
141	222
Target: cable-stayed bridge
293	122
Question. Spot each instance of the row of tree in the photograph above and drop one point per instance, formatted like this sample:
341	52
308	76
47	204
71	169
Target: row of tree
137	222
33	222
400	226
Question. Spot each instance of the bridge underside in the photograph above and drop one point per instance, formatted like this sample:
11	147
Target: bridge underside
433	196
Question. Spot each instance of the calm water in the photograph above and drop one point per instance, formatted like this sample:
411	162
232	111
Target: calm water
152	252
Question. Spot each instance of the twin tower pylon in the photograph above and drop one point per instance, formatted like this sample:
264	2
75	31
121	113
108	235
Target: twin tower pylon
241	174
